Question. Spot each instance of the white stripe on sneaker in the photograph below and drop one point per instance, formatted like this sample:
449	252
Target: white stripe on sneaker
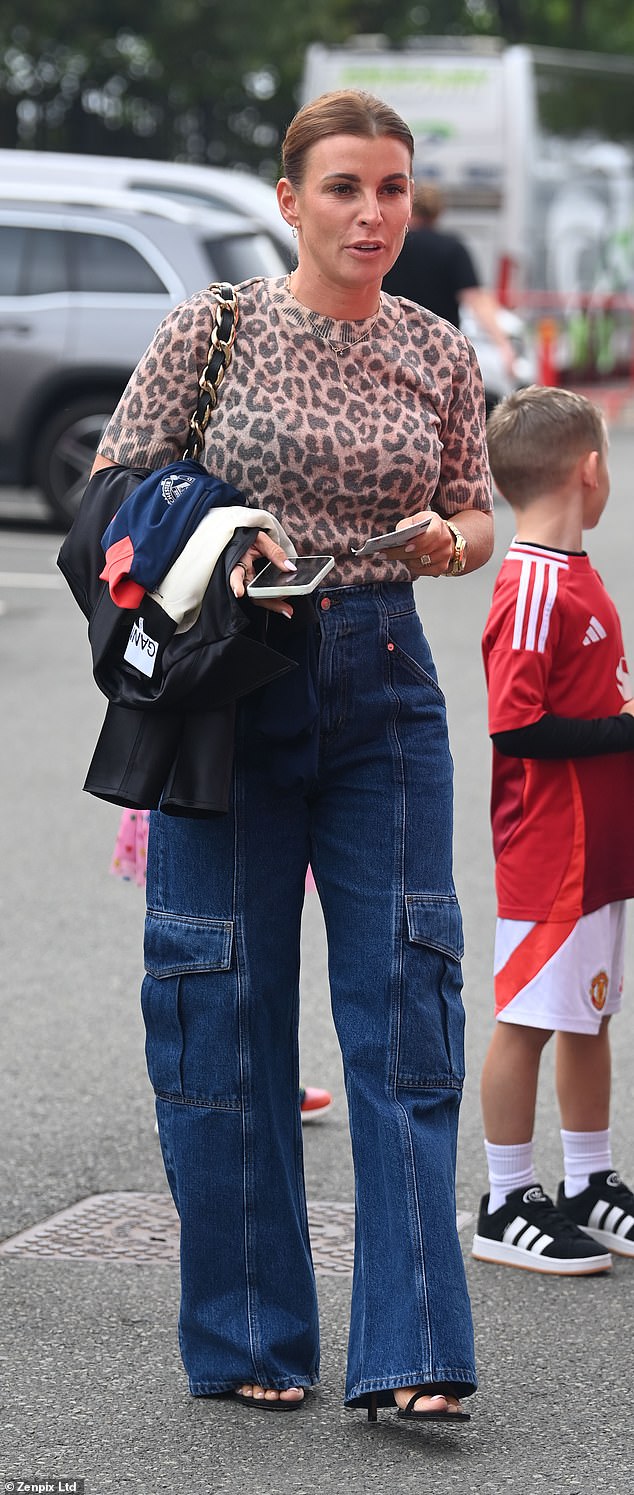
541	1244
526	1237
625	1225
514	1229
598	1214
612	1218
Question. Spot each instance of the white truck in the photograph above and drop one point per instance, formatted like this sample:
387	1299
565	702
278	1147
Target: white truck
533	149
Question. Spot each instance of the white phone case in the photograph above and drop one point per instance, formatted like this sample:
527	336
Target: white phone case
291	584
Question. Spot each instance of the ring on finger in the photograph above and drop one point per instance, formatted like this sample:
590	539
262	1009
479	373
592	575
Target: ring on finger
425	560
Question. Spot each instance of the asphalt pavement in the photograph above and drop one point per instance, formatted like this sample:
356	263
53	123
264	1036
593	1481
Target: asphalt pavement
92	1387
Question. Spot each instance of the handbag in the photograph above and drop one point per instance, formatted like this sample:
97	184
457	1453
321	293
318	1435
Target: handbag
81	556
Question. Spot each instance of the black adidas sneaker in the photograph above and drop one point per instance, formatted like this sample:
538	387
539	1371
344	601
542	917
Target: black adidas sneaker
529	1232
605	1211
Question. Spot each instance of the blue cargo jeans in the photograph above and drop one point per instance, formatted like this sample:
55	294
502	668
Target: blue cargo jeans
221	1008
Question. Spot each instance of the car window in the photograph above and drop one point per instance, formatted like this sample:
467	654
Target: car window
184	194
11	258
242	256
101	263
32	261
45	266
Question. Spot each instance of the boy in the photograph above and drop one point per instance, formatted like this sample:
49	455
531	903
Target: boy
561	717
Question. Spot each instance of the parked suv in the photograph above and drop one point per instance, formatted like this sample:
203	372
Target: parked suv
211	187
82	290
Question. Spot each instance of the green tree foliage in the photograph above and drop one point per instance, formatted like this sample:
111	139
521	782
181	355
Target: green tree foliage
199	80
205	81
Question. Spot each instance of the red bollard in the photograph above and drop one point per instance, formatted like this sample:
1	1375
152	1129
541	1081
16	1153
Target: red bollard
546	340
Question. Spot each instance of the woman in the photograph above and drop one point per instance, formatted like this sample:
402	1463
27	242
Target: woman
345	412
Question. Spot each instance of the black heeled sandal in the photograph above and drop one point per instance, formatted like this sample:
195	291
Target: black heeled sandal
411	1416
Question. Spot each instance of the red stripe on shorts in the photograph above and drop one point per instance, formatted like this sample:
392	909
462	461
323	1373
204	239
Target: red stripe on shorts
528	959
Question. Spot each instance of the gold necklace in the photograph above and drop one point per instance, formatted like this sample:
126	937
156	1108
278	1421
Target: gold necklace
346	343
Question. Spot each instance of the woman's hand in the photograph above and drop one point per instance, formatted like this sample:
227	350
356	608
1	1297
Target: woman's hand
430	553
245	571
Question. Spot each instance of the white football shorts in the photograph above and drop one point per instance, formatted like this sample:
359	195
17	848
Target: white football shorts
565	977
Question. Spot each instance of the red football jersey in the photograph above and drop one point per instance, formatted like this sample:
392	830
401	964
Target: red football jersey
563	829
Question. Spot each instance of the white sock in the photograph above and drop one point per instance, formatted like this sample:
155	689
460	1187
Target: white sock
509	1168
584	1153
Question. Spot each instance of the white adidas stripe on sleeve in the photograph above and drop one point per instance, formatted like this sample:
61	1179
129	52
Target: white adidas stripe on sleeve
545	577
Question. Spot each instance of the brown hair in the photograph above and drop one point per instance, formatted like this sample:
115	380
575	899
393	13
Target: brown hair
427	202
348	111
536	435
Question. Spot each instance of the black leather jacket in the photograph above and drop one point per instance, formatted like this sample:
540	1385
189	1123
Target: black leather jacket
169	740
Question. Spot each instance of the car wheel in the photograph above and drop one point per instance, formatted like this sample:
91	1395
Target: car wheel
66	451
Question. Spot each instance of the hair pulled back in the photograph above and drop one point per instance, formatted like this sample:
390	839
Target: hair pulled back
347	111
536	435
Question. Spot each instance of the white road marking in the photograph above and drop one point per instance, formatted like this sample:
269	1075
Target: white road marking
30	579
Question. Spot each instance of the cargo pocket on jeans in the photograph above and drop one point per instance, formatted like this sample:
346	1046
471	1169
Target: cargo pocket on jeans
431	1040
190	1007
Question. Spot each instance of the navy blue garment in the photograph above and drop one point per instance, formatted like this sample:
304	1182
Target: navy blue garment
152	526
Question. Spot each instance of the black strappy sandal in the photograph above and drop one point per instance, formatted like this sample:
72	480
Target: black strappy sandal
411	1416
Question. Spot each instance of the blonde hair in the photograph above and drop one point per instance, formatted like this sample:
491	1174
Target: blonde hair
536	435
347	111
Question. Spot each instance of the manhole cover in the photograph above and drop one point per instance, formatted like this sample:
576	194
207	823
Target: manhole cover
143	1228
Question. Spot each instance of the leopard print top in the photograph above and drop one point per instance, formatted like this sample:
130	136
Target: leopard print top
337	447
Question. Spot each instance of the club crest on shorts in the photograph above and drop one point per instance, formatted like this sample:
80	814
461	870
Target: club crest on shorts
599	990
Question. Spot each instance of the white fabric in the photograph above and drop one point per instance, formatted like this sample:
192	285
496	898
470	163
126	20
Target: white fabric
580	984
181	591
584	1153
509	1168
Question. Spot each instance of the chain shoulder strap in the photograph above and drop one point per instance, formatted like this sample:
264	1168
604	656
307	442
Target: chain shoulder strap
221	341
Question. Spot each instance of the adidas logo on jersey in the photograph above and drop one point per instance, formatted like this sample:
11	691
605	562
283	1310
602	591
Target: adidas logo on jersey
594	632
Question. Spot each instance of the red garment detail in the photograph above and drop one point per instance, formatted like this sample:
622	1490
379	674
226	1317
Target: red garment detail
528	959
124	591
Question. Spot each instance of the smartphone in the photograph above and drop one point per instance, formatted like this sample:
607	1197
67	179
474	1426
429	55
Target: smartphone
394	539
271	581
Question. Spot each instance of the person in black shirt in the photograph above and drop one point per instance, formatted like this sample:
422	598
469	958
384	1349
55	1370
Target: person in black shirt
436	270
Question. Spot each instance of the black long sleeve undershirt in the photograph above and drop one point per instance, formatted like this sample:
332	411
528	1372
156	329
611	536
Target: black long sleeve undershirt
568	737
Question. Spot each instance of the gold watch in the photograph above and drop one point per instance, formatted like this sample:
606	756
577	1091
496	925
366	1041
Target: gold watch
459	558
